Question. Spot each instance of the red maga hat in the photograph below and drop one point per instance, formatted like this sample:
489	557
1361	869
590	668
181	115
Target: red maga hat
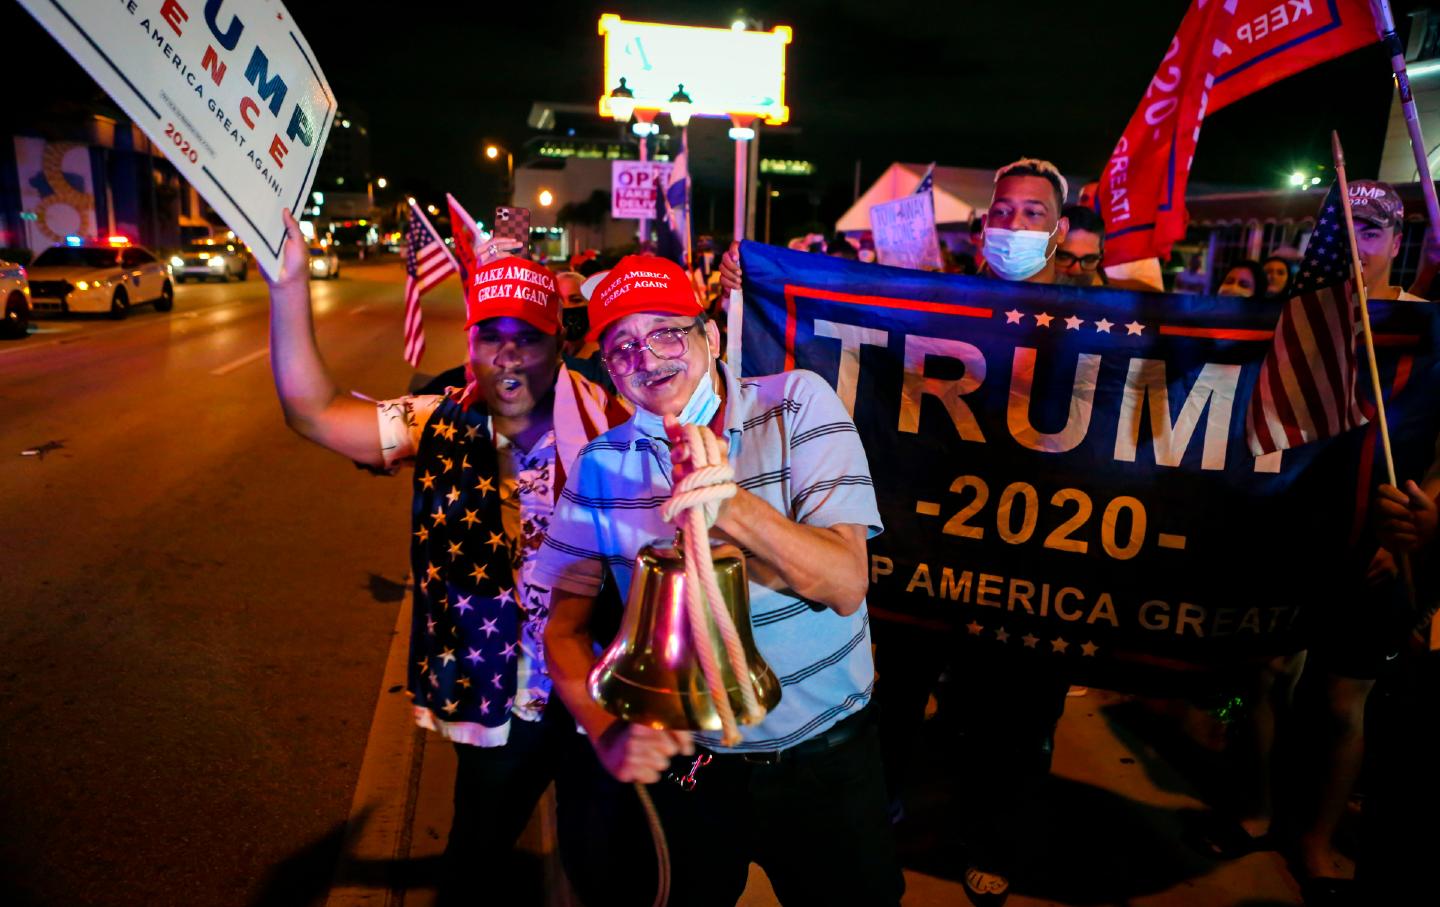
641	283
515	288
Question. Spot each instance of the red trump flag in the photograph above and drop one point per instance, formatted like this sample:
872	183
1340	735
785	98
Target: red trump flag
1273	40
1224	50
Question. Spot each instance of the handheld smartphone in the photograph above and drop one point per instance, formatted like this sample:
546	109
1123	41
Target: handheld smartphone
514	223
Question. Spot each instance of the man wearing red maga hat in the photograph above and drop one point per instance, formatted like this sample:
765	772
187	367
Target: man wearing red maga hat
490	461
802	793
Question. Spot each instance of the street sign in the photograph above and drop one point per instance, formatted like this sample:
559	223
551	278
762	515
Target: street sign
632	188
230	93
724	71
904	232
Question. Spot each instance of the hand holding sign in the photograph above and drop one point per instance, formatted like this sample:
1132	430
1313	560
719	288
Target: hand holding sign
295	260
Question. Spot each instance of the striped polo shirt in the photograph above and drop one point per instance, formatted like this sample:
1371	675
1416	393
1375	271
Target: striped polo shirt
792	444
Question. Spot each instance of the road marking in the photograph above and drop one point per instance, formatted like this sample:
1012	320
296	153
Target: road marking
1168	540
73	328
229	367
927	508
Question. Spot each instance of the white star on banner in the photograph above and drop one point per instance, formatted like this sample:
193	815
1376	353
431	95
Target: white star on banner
1103	326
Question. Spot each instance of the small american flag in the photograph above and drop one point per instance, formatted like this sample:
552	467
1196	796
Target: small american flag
427	262
1306	389
927	182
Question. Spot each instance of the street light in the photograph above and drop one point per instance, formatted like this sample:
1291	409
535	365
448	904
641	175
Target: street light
493	152
382	182
432	209
680	107
622	102
545	198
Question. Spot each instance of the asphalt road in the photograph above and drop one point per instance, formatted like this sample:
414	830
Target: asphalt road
195	604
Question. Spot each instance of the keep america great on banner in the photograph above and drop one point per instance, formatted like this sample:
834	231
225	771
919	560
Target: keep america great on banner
1064	472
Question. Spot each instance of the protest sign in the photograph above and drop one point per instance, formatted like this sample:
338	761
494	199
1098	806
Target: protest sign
904	232
1063	471
229	92
633	185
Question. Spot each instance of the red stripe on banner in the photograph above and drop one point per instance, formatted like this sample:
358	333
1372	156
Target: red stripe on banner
789	330
1176	330
879	302
890	302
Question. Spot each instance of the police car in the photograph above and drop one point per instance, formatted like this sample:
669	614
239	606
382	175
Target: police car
210	259
14	300
109	275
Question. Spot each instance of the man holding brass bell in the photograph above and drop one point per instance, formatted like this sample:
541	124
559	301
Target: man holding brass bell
799	789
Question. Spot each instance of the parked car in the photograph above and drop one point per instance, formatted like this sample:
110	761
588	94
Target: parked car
324	263
209	259
15	293
106	276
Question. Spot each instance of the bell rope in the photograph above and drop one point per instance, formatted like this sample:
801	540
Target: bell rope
693	507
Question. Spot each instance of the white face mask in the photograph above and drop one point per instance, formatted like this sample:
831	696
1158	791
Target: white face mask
1017	254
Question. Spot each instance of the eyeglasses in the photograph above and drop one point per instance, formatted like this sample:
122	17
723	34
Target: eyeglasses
666	343
1066	259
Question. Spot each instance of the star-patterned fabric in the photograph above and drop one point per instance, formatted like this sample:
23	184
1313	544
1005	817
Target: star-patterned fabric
465	630
480	512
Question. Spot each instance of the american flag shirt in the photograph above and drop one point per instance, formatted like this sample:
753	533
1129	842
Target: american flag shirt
480	508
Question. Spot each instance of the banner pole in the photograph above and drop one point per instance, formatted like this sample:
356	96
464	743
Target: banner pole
1385	24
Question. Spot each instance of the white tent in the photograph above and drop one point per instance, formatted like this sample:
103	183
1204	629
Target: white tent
960	194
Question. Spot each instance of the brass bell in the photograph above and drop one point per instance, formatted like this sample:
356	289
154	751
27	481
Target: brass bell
651	674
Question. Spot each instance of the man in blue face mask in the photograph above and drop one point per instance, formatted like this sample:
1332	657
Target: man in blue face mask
802	793
1024	225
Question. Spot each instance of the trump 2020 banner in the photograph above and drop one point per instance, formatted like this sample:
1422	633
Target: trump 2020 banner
1064	471
228	89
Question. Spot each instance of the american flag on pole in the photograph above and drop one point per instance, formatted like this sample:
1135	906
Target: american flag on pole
427	263
927	182
1307	384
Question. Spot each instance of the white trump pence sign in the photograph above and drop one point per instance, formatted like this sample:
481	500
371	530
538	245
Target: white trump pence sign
228	89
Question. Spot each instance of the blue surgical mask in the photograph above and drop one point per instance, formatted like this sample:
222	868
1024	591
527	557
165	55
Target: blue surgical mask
1017	254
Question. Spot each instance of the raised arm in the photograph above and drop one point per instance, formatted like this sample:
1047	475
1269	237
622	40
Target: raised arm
314	407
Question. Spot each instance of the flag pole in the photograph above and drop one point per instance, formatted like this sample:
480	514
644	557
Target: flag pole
1364	307
1385	24
1402	560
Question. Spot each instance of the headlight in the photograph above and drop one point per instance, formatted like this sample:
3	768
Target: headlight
176	261
217	263
81	285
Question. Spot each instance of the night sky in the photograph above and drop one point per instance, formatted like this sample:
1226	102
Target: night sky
966	83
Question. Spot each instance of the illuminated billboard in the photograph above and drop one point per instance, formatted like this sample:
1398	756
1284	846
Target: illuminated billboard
724	71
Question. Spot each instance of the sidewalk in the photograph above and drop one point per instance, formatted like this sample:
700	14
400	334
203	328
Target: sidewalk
1117	810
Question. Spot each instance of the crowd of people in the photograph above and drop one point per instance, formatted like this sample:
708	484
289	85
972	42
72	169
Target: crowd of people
540	469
